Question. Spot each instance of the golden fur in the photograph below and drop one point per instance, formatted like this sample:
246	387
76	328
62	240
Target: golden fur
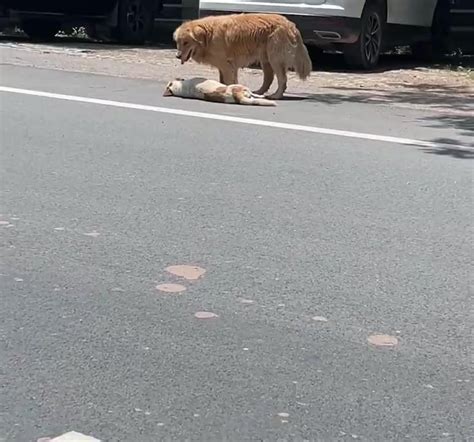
230	42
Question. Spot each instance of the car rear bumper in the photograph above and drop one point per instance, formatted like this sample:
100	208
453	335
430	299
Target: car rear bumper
324	31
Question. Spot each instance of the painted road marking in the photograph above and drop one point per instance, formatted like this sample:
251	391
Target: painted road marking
241	120
71	436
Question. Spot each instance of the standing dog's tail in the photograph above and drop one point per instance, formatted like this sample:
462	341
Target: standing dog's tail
302	61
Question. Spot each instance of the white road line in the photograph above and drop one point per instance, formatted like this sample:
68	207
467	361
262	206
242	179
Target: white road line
241	120
70	436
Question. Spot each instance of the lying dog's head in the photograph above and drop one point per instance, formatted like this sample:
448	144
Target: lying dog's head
173	87
190	38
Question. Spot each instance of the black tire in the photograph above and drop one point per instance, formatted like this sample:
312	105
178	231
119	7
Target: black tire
40	29
135	21
365	52
434	49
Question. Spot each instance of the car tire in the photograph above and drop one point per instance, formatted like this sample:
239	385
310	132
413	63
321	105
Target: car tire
135	21
40	29
434	49
365	52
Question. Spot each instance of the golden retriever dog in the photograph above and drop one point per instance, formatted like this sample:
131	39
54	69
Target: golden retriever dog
212	90
230	42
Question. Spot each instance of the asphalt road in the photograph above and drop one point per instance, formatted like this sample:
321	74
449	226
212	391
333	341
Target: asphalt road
367	236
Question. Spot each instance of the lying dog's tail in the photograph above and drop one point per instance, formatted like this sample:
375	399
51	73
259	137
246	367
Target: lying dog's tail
243	95
256	101
302	61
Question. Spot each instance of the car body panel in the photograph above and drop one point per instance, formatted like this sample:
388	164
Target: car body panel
400	12
320	8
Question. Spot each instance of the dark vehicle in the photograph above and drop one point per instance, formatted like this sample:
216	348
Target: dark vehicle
130	21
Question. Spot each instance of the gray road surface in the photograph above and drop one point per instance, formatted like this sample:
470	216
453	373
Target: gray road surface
98	201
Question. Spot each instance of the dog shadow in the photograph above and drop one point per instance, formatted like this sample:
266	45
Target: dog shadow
294	97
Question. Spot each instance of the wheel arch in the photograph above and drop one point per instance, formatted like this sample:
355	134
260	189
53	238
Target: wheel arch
382	4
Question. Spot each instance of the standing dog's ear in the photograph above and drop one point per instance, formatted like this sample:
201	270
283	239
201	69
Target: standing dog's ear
200	35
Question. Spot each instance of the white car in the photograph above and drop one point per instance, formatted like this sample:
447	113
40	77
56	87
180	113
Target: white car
361	29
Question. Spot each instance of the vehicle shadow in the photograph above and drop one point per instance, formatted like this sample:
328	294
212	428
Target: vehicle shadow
453	108
453	99
461	154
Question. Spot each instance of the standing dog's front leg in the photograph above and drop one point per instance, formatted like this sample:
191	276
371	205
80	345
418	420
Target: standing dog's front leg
235	72
228	75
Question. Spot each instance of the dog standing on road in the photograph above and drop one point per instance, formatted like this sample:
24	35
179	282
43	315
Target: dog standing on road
230	42
211	90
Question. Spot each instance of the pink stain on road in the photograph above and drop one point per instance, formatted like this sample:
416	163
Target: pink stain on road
171	288
186	271
385	341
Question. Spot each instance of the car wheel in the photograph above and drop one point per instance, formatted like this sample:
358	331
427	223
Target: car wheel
40	29
365	52
434	49
135	21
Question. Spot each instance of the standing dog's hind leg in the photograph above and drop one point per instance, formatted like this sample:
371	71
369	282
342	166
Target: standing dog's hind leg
268	76
280	71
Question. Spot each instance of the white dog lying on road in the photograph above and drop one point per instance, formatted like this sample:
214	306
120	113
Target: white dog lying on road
211	90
